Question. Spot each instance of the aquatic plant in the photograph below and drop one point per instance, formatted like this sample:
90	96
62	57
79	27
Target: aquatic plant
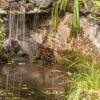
86	85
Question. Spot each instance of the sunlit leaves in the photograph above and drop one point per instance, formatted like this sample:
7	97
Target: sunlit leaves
96	5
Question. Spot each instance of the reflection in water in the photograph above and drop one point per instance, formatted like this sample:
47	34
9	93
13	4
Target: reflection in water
35	21
30	81
7	81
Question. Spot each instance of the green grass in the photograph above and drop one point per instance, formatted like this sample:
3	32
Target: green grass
74	59
76	20
86	85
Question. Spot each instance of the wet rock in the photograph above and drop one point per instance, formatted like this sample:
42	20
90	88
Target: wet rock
3	57
29	6
12	46
14	6
43	4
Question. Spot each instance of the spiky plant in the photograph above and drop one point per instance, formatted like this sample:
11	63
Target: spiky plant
76	19
58	7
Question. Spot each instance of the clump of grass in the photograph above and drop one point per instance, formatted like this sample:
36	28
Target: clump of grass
70	59
86	85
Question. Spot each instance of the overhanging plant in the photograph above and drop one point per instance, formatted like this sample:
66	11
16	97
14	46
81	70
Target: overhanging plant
61	5
58	7
76	19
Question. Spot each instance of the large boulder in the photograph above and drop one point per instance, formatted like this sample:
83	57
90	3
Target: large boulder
88	42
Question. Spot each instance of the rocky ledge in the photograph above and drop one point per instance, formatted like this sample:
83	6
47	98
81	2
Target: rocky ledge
30	6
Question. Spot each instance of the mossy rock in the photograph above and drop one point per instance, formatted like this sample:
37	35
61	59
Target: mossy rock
3	56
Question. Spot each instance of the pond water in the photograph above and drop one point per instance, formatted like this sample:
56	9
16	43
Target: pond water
27	81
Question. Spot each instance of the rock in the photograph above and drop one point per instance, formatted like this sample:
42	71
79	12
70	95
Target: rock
43	4
12	46
29	6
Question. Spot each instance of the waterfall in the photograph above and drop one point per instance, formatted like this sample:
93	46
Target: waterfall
35	21
16	27
6	71
10	24
23	27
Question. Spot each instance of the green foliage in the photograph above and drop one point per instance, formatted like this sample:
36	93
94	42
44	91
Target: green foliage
96	5
83	2
70	59
58	7
2	34
76	19
86	85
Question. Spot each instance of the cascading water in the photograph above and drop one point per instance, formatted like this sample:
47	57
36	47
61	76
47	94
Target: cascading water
35	21
17	26
16	29
7	83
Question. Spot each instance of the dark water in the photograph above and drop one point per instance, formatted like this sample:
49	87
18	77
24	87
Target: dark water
27	81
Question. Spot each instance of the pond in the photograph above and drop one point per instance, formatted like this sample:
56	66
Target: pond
27	81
